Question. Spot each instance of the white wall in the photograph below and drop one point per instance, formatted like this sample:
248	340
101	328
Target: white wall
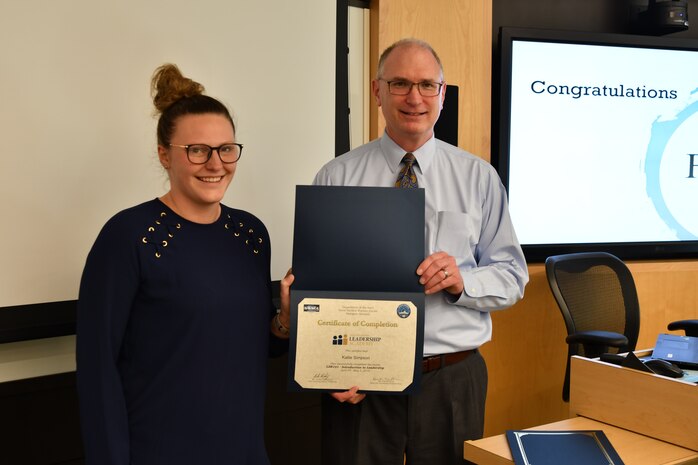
77	136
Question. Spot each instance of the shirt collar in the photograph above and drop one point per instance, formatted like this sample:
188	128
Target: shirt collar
393	153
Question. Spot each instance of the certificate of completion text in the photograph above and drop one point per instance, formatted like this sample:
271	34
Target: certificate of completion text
364	343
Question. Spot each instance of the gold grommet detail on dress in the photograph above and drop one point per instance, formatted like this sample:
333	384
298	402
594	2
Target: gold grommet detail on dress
160	233
245	232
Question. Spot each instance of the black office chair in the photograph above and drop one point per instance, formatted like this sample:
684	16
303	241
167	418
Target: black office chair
690	327
598	300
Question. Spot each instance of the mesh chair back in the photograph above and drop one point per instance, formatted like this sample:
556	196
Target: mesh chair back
595	291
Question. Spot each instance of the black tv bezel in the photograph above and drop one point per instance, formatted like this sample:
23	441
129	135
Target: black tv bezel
659	250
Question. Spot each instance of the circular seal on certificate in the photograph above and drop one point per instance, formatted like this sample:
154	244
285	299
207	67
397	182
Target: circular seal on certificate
403	310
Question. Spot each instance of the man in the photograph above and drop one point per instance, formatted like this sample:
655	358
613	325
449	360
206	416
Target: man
473	265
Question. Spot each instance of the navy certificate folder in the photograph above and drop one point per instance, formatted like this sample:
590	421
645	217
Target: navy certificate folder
362	243
358	238
536	447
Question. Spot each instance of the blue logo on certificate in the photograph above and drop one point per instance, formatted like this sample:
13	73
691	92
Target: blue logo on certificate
403	310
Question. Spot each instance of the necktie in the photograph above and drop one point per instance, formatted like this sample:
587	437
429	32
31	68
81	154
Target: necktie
406	178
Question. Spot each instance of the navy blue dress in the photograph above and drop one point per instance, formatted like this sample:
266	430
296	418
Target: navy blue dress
173	339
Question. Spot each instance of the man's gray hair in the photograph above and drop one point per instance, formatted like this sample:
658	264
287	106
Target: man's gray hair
405	43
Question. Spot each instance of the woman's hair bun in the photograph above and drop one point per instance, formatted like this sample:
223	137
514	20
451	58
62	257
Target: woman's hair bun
169	85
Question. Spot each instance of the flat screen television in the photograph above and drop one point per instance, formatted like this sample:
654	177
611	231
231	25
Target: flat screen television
598	142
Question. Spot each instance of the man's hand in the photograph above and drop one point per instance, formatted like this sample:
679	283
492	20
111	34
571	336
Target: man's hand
284	316
349	396
439	272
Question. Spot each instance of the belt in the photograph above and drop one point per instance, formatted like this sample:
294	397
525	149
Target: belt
439	361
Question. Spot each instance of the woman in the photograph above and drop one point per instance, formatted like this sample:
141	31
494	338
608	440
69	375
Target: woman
175	308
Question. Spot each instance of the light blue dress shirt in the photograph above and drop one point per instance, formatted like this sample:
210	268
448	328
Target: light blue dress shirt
466	216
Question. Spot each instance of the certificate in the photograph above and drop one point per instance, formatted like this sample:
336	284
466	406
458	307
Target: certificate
357	308
365	343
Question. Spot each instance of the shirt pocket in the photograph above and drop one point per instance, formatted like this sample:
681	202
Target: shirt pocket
457	233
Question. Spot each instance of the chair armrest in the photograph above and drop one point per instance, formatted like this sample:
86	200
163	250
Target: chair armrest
690	327
601	338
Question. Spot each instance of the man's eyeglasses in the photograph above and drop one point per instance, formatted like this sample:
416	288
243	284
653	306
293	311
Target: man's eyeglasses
200	154
425	88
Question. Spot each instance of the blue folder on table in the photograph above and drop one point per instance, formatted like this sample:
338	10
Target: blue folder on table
537	447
